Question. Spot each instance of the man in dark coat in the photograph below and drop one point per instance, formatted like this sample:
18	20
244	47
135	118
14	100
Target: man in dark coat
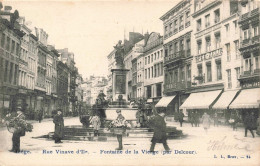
197	119
181	116
158	124
59	126
18	132
250	123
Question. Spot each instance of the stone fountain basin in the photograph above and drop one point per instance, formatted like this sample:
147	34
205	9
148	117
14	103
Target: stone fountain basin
128	113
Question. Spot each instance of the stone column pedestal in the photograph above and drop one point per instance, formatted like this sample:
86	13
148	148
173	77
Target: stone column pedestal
119	84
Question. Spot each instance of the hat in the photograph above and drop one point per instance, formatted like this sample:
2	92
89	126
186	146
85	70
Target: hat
117	111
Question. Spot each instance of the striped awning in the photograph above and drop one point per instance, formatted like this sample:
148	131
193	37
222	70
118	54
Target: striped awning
165	101
225	100
200	100
248	98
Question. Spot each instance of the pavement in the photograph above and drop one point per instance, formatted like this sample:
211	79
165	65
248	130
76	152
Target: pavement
219	146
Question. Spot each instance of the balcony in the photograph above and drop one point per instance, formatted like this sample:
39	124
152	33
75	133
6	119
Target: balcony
245	42
254	12
250	74
177	86
255	39
175	57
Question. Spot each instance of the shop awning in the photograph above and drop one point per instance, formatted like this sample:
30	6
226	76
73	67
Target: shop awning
200	100
165	101
248	98
225	100
149	100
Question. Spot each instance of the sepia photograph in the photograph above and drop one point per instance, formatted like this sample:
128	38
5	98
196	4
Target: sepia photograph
129	82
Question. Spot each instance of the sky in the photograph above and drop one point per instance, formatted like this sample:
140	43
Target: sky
90	29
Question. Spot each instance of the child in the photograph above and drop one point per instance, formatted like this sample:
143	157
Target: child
95	120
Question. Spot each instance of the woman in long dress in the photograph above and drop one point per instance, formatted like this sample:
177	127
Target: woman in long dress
205	121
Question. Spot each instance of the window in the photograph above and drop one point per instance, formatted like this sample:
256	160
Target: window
217	16
152	72
158	90
248	64
199	25
176	47
148	72
148	59
209	75
11	72
246	34
200	73
17	49
165	29
145	60
188	44
15	74
236	43
229	79
237	76
188	73
227	29
6	70
208	44
161	68
235	26
218	40
175	24
171	28
187	16
176	78
181	45
166	52
255	31
171	49
182	74
219	70
181	20
207	20
13	47
151	58
158	53
8	44
199	46
257	62
228	52
3	40
155	56
155	71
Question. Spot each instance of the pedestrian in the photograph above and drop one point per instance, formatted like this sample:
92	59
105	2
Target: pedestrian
159	126
250	123
59	126
215	117
197	119
191	116
258	126
181	116
18	130
95	120
40	114
205	121
140	117
119	125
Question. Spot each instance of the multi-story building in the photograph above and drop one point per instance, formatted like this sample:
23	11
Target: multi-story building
153	68
10	42
32	72
249	48
53	73
177	55
62	87
111	65
40	85
24	78
128	65
68	58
